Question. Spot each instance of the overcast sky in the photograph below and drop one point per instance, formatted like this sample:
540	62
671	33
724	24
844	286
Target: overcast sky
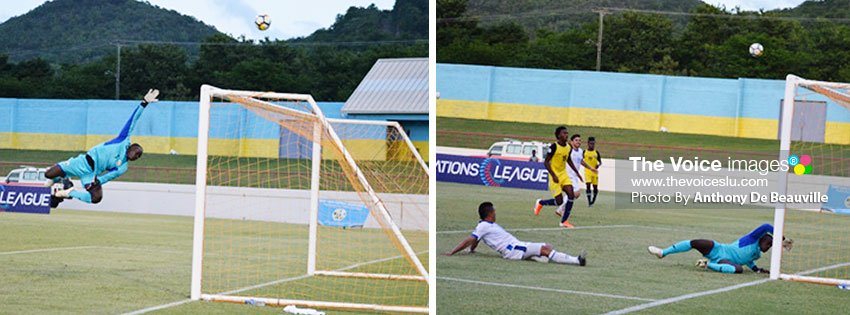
290	18
754	5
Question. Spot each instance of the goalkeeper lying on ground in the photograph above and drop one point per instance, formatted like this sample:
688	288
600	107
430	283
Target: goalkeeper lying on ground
111	156
728	258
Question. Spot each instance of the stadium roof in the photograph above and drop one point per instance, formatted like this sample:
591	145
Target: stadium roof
392	86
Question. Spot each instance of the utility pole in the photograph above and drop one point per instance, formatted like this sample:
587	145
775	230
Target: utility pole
118	72
602	13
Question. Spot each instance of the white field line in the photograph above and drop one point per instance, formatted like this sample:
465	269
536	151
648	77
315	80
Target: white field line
159	307
46	250
703	293
546	229
507	285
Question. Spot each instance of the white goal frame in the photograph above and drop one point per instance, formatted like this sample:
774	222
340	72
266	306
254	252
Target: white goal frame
196	293
792	83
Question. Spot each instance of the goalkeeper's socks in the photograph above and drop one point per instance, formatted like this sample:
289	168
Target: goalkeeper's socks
679	247
549	202
83	196
563	258
595	191
589	202
568	206
724	268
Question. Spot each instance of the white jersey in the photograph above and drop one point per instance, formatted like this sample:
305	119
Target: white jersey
494	236
577	156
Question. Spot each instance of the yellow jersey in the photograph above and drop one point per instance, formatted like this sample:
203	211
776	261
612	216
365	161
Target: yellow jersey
592	158
559	154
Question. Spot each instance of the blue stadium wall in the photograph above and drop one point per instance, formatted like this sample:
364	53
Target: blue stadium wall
746	108
77	125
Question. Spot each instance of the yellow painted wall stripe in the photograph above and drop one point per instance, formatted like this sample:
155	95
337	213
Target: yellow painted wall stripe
758	128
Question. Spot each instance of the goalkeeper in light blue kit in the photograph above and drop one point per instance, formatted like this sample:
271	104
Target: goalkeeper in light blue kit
728	258
111	157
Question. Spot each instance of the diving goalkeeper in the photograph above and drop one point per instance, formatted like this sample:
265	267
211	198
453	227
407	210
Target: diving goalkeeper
728	258
111	157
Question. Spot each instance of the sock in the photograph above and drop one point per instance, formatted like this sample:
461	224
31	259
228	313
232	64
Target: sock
562	258
724	268
548	202
589	202
595	191
568	206
679	247
83	196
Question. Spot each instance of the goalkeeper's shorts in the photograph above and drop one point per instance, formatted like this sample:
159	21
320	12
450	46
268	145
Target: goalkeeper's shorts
79	166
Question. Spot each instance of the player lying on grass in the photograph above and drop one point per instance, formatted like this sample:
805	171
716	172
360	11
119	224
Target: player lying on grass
111	157
594	160
728	258
509	246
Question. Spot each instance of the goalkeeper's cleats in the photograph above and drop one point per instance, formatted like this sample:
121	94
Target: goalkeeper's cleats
540	259
62	193
537	207
566	224
582	258
657	251
702	263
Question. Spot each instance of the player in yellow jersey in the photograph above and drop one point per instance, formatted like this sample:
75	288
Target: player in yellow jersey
556	162
594	160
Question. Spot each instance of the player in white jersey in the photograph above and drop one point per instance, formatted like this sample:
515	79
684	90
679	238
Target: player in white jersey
577	157
509	246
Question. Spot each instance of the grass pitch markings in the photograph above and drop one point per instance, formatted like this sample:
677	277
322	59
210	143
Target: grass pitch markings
47	250
546	229
508	285
176	303
709	292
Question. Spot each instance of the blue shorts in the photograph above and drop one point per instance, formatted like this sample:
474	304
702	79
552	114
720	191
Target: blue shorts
78	167
720	252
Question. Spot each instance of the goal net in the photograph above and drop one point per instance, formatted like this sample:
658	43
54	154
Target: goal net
293	208
815	134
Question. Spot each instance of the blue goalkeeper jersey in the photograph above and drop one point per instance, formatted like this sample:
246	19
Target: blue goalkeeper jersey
112	155
745	251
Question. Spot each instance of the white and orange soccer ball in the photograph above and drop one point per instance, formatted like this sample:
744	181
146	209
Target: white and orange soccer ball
263	22
756	50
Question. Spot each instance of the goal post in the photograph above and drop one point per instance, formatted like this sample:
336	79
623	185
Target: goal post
293	208
818	134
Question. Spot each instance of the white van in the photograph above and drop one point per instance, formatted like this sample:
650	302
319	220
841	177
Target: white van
27	175
518	150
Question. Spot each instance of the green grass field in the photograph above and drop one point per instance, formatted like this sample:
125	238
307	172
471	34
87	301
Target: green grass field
602	134
84	262
620	272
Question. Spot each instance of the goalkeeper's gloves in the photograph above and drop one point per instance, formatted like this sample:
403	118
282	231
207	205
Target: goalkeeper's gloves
787	243
150	97
756	269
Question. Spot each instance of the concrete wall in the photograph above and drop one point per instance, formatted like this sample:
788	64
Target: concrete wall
409	212
77	125
727	107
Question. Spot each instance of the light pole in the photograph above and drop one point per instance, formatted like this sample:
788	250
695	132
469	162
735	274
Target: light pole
602	13
118	72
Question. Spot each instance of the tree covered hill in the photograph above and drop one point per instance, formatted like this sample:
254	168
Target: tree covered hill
407	20
73	31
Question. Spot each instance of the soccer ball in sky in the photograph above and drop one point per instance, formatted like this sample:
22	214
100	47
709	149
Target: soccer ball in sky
756	49
263	22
